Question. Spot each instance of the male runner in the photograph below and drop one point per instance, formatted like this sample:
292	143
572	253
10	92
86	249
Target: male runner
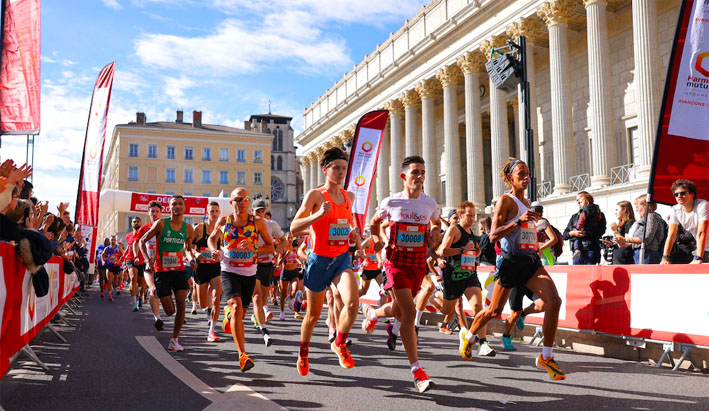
154	214
134	270
460	276
101	265
328	212
513	225
110	256
410	214
372	269
289	277
173	236
208	271
239	233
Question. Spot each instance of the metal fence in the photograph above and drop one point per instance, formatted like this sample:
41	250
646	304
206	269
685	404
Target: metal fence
544	189
579	182
622	174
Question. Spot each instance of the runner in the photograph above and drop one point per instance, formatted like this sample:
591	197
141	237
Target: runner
110	256
289	278
135	271
207	275
173	236
101	265
410	213
264	270
372	269
513	225
239	233
518	314
460	276
154	214
328	213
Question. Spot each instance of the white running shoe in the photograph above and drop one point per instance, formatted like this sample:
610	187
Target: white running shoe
282	317
175	346
486	350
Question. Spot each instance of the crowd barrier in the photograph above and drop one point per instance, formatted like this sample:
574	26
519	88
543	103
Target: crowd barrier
22	314
664	303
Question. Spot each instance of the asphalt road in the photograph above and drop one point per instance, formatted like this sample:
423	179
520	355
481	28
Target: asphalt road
115	360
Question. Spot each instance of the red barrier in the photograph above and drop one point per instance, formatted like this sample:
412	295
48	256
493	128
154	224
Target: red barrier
22	313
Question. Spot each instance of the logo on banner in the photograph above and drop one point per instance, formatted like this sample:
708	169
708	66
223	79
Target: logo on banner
359	181
31	301
367	147
701	59
143	198
92	152
51	281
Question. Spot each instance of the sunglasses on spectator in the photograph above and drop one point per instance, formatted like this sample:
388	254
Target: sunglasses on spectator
680	193
241	199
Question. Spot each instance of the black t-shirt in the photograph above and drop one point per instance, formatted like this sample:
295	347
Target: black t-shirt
9	230
487	249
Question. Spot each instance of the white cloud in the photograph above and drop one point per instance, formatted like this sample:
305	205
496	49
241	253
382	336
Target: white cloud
114	4
68	63
174	88
46	59
129	81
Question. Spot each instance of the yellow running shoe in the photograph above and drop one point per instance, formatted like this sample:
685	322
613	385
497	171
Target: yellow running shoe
550	366
245	363
226	322
298	316
465	347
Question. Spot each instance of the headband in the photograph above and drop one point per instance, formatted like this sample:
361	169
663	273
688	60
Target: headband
333	158
512	166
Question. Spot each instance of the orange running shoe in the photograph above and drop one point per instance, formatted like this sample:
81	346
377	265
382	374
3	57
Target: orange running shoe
226	322
445	330
303	366
245	363
343	354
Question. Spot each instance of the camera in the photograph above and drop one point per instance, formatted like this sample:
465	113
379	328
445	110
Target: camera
608	249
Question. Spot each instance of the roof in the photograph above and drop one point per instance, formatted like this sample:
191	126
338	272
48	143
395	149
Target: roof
188	126
274	117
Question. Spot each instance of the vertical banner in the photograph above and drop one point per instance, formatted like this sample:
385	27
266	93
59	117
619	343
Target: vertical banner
682	142
363	161
89	233
20	70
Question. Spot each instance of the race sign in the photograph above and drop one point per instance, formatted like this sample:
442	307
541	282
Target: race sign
196	206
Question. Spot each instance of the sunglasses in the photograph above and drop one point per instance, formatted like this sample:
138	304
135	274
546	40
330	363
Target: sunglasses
680	193
241	199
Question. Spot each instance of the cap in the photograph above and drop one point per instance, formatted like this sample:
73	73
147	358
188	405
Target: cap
452	213
259	204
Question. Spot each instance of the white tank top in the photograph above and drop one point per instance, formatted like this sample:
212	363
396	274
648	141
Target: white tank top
523	240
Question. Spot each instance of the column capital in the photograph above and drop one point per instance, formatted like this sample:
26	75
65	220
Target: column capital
556	11
305	160
587	3
320	150
449	75
492	42
395	107
532	28
427	88
514	103
350	132
471	62
410	98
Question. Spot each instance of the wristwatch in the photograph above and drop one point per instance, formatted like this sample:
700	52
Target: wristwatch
698	257
665	257
518	222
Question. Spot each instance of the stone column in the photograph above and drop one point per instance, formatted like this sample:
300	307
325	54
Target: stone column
383	167
499	132
319	173
599	85
411	102
449	77
427	91
647	78
555	14
472	64
396	112
305	172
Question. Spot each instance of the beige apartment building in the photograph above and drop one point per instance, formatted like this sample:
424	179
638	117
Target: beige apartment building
192	159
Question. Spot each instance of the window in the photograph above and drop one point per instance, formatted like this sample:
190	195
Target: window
224	177
258	178
206	194
279	163
133	150
258	156
273	163
634	145
169	193
132	173
206	177
152	192
170	152
241	155
187	193
189	176
206	154
241	177
223	154
152	151
189	153
169	175
280	140
275	141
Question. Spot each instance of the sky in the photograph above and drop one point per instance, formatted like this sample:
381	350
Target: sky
226	58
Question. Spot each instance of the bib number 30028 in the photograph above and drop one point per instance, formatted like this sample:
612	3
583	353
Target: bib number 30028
339	232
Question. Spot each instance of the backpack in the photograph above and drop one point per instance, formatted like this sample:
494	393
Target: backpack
558	246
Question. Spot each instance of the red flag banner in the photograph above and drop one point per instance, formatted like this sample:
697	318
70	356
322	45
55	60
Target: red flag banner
363	162
20	70
92	162
682	143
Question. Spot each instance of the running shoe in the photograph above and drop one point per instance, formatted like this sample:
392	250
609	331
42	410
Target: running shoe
331	334
343	354
290	303
159	325
465	347
175	346
304	305
194	310
348	342
298	316
245	363
298	300
110	297
254	320
140	303
118	292
213	337
303	366
267	339
269	317
445	330
550	366
135	307
520	323
391	337
367	324
507	343
122	285
282	317
485	350
421	381
226	322
101	294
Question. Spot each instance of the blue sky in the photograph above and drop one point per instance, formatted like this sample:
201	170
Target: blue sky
226	58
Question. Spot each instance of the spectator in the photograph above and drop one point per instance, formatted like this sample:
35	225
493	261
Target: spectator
590	252
691	213
648	230
589	218
683	247
545	236
626	218
487	249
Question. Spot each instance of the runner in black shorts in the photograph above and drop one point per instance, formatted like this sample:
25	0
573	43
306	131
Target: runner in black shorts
517	315
135	270
110	255
372	267
514	226
101	264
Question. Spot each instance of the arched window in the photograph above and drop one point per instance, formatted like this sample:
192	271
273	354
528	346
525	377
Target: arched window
280	140
275	137
279	163
271	163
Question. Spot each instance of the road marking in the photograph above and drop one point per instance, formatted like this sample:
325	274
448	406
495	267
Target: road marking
237	394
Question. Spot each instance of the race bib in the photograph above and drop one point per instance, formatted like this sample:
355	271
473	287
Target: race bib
528	236
205	256
339	232
265	258
372	258
172	261
113	259
151	249
467	261
410	237
241	258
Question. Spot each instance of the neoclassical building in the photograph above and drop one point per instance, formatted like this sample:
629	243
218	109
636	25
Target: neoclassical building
597	69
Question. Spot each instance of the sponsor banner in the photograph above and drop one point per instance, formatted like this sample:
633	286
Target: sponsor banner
682	143
363	162
89	233
20	71
195	206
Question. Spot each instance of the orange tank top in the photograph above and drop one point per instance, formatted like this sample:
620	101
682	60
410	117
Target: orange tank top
331	233
370	260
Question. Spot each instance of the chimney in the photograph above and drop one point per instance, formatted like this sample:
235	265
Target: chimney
196	119
247	125
140	118
179	116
